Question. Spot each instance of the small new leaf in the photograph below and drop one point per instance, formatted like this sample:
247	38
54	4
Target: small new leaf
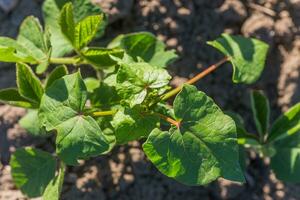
32	170
29	85
146	46
247	56
287	124
86	30
137	80
261	111
202	147
66	22
62	109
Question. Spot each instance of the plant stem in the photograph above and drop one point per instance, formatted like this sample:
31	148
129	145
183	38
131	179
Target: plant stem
195	79
104	113
168	119
70	60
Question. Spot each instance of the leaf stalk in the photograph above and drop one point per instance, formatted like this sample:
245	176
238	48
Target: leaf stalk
104	113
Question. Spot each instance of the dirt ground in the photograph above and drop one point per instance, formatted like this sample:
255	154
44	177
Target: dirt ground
185	25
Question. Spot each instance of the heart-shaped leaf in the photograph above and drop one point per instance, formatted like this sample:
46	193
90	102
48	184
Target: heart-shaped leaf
62	109
202	147
247	56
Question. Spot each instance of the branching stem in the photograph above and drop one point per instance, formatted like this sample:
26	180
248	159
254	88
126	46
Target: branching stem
195	79
169	119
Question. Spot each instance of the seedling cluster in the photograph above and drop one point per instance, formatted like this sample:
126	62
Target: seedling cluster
127	101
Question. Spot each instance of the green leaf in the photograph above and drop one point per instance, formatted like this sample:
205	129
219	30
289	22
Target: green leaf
32	170
11	51
101	57
133	124
66	22
286	162
29	85
137	80
32	37
54	188
247	56
91	84
287	124
261	111
31	123
51	13
202	148
12	97
144	45
104	96
57	73
86	30
62	109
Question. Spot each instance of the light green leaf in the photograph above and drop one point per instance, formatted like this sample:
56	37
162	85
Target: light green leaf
29	85
91	84
136	80
261	111
12	97
146	46
132	124
31	123
54	188
247	56
57	73
286	162
202	148
86	30
51	12
11	51
287	124
101	57
66	22
62	109
32	170
32	37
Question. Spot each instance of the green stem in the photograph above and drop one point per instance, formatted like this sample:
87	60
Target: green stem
195	79
104	113
70	60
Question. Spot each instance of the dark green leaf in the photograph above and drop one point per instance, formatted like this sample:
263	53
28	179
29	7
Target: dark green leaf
287	124
54	188
247	56
202	148
29	85
78	136
133	124
261	111
137	80
104	96
32	170
101	57
57	73
31	123
12	97
144	45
